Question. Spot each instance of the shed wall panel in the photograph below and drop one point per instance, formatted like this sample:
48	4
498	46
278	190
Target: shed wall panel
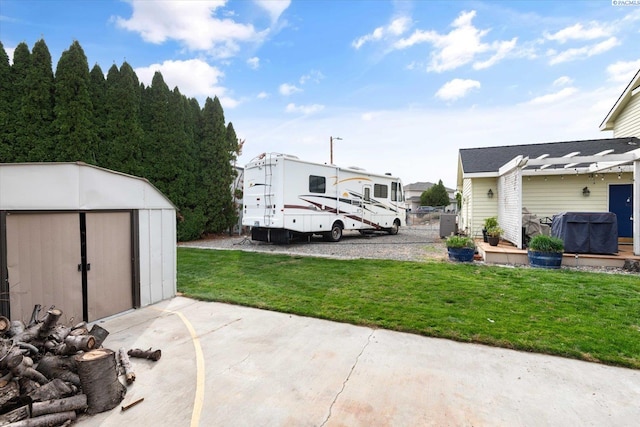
43	253
157	255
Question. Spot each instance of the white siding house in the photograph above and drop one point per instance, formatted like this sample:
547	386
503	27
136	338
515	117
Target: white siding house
550	178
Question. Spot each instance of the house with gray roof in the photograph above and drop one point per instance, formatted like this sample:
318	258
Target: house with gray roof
599	175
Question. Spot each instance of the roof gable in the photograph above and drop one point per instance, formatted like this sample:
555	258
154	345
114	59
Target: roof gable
490	159
609	121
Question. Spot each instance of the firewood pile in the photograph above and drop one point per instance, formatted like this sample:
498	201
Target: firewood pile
50	372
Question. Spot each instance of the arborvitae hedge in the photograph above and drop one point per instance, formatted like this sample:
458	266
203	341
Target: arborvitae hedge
118	123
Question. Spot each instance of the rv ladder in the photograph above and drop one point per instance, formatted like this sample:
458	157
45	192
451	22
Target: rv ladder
268	191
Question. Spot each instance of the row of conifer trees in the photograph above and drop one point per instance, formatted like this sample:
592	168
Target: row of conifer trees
76	114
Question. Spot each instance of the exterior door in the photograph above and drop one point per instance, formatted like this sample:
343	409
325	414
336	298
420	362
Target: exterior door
621	203
366	205
43	252
108	263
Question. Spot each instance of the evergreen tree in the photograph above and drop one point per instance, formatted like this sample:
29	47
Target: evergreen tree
215	168
435	196
97	92
122	138
6	111
19	71
34	133
74	124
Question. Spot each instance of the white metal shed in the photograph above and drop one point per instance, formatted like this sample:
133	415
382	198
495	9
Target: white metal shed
90	241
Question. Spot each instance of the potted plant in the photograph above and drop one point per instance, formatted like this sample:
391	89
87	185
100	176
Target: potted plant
545	251
461	248
488	223
493	235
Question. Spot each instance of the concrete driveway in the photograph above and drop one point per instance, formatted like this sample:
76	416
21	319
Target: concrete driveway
224	365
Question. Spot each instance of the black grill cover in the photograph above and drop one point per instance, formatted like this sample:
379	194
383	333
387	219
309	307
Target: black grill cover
587	232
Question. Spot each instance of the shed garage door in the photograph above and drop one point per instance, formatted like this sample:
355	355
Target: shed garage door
79	262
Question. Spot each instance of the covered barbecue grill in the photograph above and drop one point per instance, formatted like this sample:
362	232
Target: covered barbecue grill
587	232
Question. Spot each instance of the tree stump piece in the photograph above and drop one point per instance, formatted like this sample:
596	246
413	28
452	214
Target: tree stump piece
47	420
99	378
73	403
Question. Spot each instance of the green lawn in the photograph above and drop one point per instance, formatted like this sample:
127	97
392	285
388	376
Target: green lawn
589	316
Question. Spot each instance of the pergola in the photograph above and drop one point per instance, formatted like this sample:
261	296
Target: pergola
510	184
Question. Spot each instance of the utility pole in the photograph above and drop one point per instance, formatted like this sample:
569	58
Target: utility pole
331	138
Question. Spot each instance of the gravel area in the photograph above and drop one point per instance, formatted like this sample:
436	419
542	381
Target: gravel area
412	243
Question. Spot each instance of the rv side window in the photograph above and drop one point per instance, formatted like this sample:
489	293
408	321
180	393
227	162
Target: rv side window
396	192
381	191
317	184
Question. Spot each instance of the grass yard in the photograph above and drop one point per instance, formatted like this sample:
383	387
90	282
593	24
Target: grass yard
589	316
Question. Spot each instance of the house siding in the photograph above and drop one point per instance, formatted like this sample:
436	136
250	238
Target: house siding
567	193
479	206
628	122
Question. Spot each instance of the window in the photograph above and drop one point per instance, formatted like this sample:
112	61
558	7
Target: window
381	191
317	184
396	192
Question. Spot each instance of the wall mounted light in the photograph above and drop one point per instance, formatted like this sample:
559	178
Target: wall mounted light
490	194
586	192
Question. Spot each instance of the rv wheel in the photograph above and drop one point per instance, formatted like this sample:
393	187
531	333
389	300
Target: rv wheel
335	234
394	228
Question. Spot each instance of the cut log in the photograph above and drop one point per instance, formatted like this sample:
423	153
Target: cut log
27	386
59	333
15	415
73	403
64	368
20	366
99	379
47	420
49	323
5	325
9	391
145	354
129	375
17	327
54	389
100	335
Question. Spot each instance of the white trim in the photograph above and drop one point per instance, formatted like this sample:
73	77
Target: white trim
635	91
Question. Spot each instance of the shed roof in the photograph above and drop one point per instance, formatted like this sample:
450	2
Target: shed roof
490	159
74	186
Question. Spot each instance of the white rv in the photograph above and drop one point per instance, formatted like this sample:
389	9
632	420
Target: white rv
286	198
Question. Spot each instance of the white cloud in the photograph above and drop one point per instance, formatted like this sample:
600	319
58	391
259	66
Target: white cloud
396	27
253	63
582	52
460	46
553	97
304	109
191	23
456	88
563	81
195	79
313	76
594	31
502	49
262	95
275	8
10	51
623	71
286	89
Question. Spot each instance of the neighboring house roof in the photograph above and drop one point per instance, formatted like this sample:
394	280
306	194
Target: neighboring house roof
490	159
422	186
621	103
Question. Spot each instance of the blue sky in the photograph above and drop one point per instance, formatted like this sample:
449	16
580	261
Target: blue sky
405	84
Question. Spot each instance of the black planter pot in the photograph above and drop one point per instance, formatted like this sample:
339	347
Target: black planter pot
493	241
545	259
461	254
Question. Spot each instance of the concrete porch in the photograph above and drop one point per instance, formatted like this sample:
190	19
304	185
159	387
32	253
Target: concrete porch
506	253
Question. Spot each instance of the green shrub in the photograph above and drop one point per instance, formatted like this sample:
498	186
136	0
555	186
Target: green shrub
494	231
490	222
542	243
460	242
